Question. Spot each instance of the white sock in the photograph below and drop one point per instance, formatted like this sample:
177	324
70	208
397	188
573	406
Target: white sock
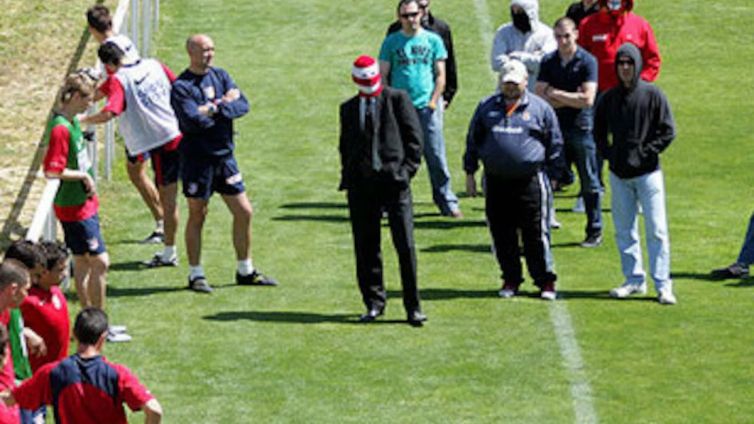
245	267
169	252
196	271
159	226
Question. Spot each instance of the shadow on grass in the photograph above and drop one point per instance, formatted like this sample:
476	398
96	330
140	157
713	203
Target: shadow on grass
442	248
128	266
447	294
141	291
741	284
601	295
566	244
448	223
290	317
318	218
315	205
126	241
702	276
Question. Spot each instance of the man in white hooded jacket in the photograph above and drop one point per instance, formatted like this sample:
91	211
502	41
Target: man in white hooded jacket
525	39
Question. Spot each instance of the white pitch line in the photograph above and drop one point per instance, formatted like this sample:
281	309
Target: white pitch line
581	392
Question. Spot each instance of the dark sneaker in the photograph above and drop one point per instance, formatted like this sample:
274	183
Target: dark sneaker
592	241
157	261
256	278
735	270
199	284
156	237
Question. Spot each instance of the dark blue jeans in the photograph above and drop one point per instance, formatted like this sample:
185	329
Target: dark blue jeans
580	146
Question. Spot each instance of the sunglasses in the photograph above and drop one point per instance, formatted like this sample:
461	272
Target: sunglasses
409	15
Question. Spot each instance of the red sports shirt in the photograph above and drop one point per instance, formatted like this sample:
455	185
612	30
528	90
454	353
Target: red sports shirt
46	312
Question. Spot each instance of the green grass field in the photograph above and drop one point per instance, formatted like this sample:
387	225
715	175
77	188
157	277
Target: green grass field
296	354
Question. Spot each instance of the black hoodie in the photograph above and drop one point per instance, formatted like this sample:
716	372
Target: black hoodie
639	120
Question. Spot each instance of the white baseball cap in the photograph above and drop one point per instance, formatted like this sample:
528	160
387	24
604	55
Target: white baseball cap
513	71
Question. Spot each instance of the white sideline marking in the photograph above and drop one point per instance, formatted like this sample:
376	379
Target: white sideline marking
581	392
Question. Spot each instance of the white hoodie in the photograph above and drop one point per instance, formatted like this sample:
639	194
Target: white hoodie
510	43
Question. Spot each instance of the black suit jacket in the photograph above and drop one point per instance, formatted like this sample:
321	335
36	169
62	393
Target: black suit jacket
396	129
441	28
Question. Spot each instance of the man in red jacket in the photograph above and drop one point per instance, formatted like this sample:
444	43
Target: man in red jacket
603	32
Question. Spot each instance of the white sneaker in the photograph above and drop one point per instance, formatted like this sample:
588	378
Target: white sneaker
554	223
548	295
118	337
506	293
666	296
627	289
117	329
579	206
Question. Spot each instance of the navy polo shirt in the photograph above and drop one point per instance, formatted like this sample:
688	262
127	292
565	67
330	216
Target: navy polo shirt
569	77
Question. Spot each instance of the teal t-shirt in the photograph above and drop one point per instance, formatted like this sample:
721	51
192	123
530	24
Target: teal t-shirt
412	63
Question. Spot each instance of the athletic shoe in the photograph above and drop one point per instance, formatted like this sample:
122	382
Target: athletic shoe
199	284
627	289
554	223
256	278
156	237
735	270
118	337
157	261
579	206
666	297
508	290
548	291
117	329
592	241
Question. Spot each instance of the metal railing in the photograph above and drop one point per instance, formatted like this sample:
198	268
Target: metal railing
144	20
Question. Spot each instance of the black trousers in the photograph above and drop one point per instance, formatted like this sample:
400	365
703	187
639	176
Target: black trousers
516	206
366	202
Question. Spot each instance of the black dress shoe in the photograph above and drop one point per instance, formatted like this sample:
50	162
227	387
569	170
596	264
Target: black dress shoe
416	318
370	315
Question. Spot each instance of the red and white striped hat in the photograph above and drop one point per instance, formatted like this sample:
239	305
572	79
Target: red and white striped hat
366	75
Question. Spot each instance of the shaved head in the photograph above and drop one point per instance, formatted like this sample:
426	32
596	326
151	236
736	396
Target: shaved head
201	51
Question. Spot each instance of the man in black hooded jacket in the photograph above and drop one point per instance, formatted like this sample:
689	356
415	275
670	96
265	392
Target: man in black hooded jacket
633	124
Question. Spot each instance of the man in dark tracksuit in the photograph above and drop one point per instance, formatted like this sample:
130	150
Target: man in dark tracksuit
380	151
441	28
516	135
633	124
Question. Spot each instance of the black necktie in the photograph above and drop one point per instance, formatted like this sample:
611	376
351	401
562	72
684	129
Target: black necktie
369	117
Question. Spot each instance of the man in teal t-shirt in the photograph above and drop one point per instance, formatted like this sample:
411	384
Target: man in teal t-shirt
413	59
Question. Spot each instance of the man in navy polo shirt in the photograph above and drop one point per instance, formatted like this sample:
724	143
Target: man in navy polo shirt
568	81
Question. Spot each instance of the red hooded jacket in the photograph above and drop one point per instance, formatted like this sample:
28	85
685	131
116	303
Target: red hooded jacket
603	32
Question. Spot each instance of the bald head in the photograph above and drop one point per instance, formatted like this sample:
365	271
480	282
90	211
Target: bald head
201	51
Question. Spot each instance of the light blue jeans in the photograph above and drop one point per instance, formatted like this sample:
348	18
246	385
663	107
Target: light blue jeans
437	163
649	191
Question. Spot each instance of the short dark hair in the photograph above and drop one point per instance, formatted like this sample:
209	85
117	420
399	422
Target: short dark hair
27	252
90	324
54	252
402	3
110	54
13	271
98	17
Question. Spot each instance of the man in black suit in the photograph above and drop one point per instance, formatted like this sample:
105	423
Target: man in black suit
441	28
380	151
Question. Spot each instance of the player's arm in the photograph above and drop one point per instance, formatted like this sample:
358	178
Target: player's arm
385	71
582	99
439	83
7	397
34	342
56	160
152	412
193	117
233	103
116	104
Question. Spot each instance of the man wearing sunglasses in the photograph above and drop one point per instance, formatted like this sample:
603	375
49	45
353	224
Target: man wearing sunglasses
441	28
633	124
413	59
